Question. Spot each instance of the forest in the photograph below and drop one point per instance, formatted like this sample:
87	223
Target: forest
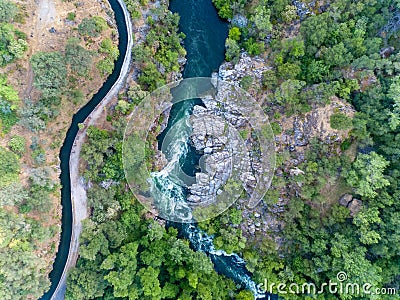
342	48
337	48
125	254
346	49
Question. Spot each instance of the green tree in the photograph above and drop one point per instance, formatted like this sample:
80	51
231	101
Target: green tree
92	27
366	175
289	14
337	55
12	43
394	94
269	80
88	28
150	283
9	167
32	117
86	284
13	194
245	295
123	107
365	220
122	266
95	245
18	48
234	33
261	19
105	66
8	10
232	50
315	30
289	71
79	59
317	70
151	77
9	94
50	73
107	46
351	259
224	8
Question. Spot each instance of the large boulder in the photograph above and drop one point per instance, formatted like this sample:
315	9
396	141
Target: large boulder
355	206
345	200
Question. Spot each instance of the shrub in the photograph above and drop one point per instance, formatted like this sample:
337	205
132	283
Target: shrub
76	96
17	144
246	82
30	117
39	156
269	80
9	167
232	50
340	121
234	33
71	16
276	128
252	47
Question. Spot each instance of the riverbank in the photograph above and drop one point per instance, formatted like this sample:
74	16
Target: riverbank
78	192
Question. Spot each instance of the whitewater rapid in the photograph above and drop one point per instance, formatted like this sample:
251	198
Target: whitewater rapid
169	187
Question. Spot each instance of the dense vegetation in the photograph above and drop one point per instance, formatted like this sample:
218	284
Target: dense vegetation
22	268
9	103
158	57
344	49
125	254
12	46
13	43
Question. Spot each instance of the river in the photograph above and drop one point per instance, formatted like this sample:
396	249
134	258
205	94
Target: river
204	43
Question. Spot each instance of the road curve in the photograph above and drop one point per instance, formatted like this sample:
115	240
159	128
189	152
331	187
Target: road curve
78	193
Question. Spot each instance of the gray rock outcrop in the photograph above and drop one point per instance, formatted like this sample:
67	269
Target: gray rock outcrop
217	134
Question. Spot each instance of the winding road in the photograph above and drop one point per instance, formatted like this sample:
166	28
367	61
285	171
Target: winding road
78	193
